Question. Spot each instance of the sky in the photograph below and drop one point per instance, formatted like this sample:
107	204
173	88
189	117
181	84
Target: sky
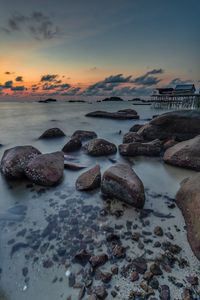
78	48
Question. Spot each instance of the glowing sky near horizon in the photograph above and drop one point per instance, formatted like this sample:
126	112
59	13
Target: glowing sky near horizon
84	46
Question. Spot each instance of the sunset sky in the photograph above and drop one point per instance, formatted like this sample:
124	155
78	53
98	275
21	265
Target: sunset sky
78	48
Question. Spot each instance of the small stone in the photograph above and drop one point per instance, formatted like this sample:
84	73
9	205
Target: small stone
71	280
158	231
157	245
147	276
134	276
193	280
155	269
100	292
154	284
164	292
114	293
106	277
119	251
115	270
136	236
98	260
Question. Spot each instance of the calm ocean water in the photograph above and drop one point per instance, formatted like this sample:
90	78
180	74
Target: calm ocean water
22	124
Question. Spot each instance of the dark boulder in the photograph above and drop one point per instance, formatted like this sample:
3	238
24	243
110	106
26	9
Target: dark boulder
136	127
131	137
15	160
83	135
46	169
100	147
89	180
138	148
122	183
72	145
52	133
124	114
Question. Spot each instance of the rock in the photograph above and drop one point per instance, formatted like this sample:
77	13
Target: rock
134	276
115	270
187	294
100	292
72	145
15	160
106	276
158	231
99	147
118	251
152	148
168	144
140	265
83	135
193	280
82	257
122	183
98	260
185	154
71	280
182	124
188	200
131	137
113	99
155	269
89	180
164	292
46	169
92	297
123	114
73	166
136	127
52	133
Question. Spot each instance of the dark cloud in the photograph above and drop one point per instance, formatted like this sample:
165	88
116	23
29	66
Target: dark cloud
18	88
39	25
49	77
8	84
19	78
60	87
147	79
72	92
119	78
177	81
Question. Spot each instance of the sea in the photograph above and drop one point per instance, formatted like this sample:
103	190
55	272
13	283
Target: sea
41	229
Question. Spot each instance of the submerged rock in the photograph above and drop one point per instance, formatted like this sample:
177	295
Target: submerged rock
72	145
98	260
89	180
46	169
123	114
83	135
122	183
15	160
99	147
52	133
188	200
185	154
183	125
137	148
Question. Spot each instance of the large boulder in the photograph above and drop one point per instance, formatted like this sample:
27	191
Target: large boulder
83	135
188	200
131	137
122	183
46	169
136	127
123	114
72	145
185	154
99	147
89	180
15	160
52	133
138	148
182	125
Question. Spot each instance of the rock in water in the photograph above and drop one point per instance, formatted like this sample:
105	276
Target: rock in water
131	137
89	180
46	169
183	124
188	200
137	148
122	183
52	133
185	154
123	114
99	147
83	135
72	145
15	160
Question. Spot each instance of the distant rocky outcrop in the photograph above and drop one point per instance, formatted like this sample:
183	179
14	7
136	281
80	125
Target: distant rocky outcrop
152	148
100	147
89	180
122	183
181	125
52	133
47	100
15	160
84	135
188	200
123	114
46	169
113	99
185	154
